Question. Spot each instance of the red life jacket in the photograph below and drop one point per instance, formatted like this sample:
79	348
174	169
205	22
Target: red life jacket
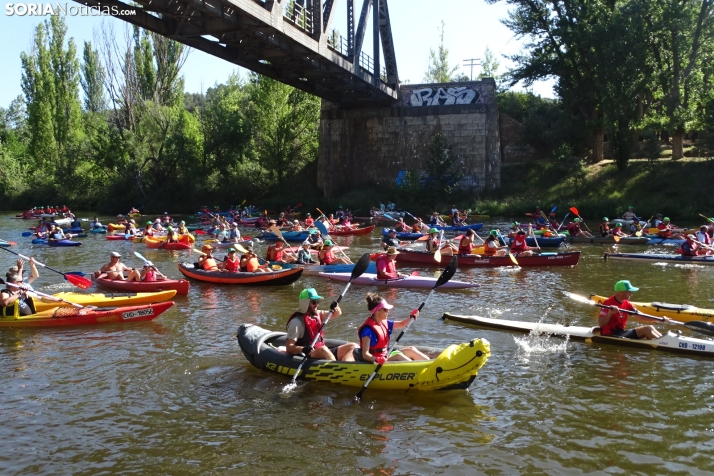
618	319
231	265
327	258
664	230
389	271
382	333
312	327
465	246
518	246
274	254
150	276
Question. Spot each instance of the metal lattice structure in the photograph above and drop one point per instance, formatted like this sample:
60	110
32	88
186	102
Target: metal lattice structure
286	40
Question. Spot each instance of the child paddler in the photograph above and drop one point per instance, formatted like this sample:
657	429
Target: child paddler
612	321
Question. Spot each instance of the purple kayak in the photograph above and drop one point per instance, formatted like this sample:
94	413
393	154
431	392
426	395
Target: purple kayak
427	282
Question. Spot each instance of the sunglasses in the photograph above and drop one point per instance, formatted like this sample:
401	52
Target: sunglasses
314	302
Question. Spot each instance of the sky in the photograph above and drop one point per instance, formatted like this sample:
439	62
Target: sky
470	26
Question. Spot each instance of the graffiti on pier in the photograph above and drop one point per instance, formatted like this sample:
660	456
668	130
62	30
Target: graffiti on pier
443	96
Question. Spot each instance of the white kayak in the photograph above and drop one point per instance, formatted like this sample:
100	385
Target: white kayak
316	269
370	279
670	342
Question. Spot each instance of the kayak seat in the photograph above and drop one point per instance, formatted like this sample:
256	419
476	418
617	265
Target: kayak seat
672	307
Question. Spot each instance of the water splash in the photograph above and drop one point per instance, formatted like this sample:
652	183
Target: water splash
287	389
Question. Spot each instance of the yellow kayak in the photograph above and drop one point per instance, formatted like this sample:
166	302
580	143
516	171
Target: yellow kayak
679	312
104	300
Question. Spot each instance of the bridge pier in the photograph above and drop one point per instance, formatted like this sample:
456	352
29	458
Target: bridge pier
376	145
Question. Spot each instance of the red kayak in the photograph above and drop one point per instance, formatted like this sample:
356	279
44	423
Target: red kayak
118	237
355	231
273	278
569	258
179	285
71	316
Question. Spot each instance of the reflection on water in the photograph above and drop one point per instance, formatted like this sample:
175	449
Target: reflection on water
176	396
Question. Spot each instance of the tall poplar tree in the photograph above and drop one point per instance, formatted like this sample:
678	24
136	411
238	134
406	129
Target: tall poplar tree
439	70
92	80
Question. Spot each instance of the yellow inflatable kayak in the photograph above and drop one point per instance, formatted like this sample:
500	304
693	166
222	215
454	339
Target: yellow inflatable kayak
104	300
678	312
452	368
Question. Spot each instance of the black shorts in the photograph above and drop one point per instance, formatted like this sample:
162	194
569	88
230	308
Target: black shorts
628	334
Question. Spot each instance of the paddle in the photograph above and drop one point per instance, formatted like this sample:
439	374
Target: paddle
534	236
510	255
446	275
325	233
73	278
697	326
575	212
48	296
279	234
563	222
358	270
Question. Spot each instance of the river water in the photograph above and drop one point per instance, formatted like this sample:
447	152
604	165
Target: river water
176	396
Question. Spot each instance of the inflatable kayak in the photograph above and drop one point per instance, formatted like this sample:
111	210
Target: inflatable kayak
569	258
449	369
403	235
608	240
287	235
370	279
653	258
475	227
71	316
670	342
271	278
104	300
115	227
163	245
316	269
678	312
98	230
60	243
181	286
354	231
119	237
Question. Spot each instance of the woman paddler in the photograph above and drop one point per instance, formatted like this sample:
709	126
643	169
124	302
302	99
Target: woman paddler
493	247
303	256
276	252
433	243
182	230
149	273
231	263
466	245
604	227
327	255
519	247
249	262
376	330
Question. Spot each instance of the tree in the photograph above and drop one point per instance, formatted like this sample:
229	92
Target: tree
92	80
440	170
439	70
285	124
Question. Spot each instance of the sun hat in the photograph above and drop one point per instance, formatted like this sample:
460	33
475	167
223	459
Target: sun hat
382	305
392	250
115	254
207	247
625	285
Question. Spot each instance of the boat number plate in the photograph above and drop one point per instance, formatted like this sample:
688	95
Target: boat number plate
139	313
686	345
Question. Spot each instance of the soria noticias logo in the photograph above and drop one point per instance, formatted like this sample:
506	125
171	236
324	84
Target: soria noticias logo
45	9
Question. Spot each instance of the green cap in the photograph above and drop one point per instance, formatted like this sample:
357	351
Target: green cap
494	232
631	207
666	219
149	222
576	220
625	286
328	243
231	250
605	219
433	230
309	293
618	224
170	228
307	215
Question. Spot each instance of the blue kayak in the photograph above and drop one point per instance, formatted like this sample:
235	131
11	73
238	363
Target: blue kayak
475	227
550	242
402	235
655	240
73	230
287	235
60	243
98	230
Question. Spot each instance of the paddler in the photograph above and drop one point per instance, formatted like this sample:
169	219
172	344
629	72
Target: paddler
433	243
306	323
327	256
604	227
182	230
96	224
277	253
418	226
466	245
400	226
519	246
303	256
375	332
493	247
115	270
131	228
703	237
207	261
575	230
689	247
233	234
315	238
612	322
150	274
249	262
309	221
171	235
391	240
513	230
296	226
231	263
435	220
630	214
15	300
666	230
386	266
149	230
617	231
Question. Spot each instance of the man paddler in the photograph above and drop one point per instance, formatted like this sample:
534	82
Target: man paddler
612	321
278	253
207	261
306	323
386	266
114	270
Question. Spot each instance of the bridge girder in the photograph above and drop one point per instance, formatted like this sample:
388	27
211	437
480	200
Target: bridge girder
254	34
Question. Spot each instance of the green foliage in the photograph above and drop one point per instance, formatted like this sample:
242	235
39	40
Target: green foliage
440	169
92	80
439	70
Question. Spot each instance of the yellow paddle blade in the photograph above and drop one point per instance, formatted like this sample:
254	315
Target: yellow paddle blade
513	258
198	251
616	238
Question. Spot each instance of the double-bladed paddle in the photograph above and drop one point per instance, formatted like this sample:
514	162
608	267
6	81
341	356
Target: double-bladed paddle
48	296
697	326
446	275
358	270
74	278
575	212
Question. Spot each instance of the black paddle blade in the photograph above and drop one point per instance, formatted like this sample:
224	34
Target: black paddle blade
701	326
361	266
448	272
